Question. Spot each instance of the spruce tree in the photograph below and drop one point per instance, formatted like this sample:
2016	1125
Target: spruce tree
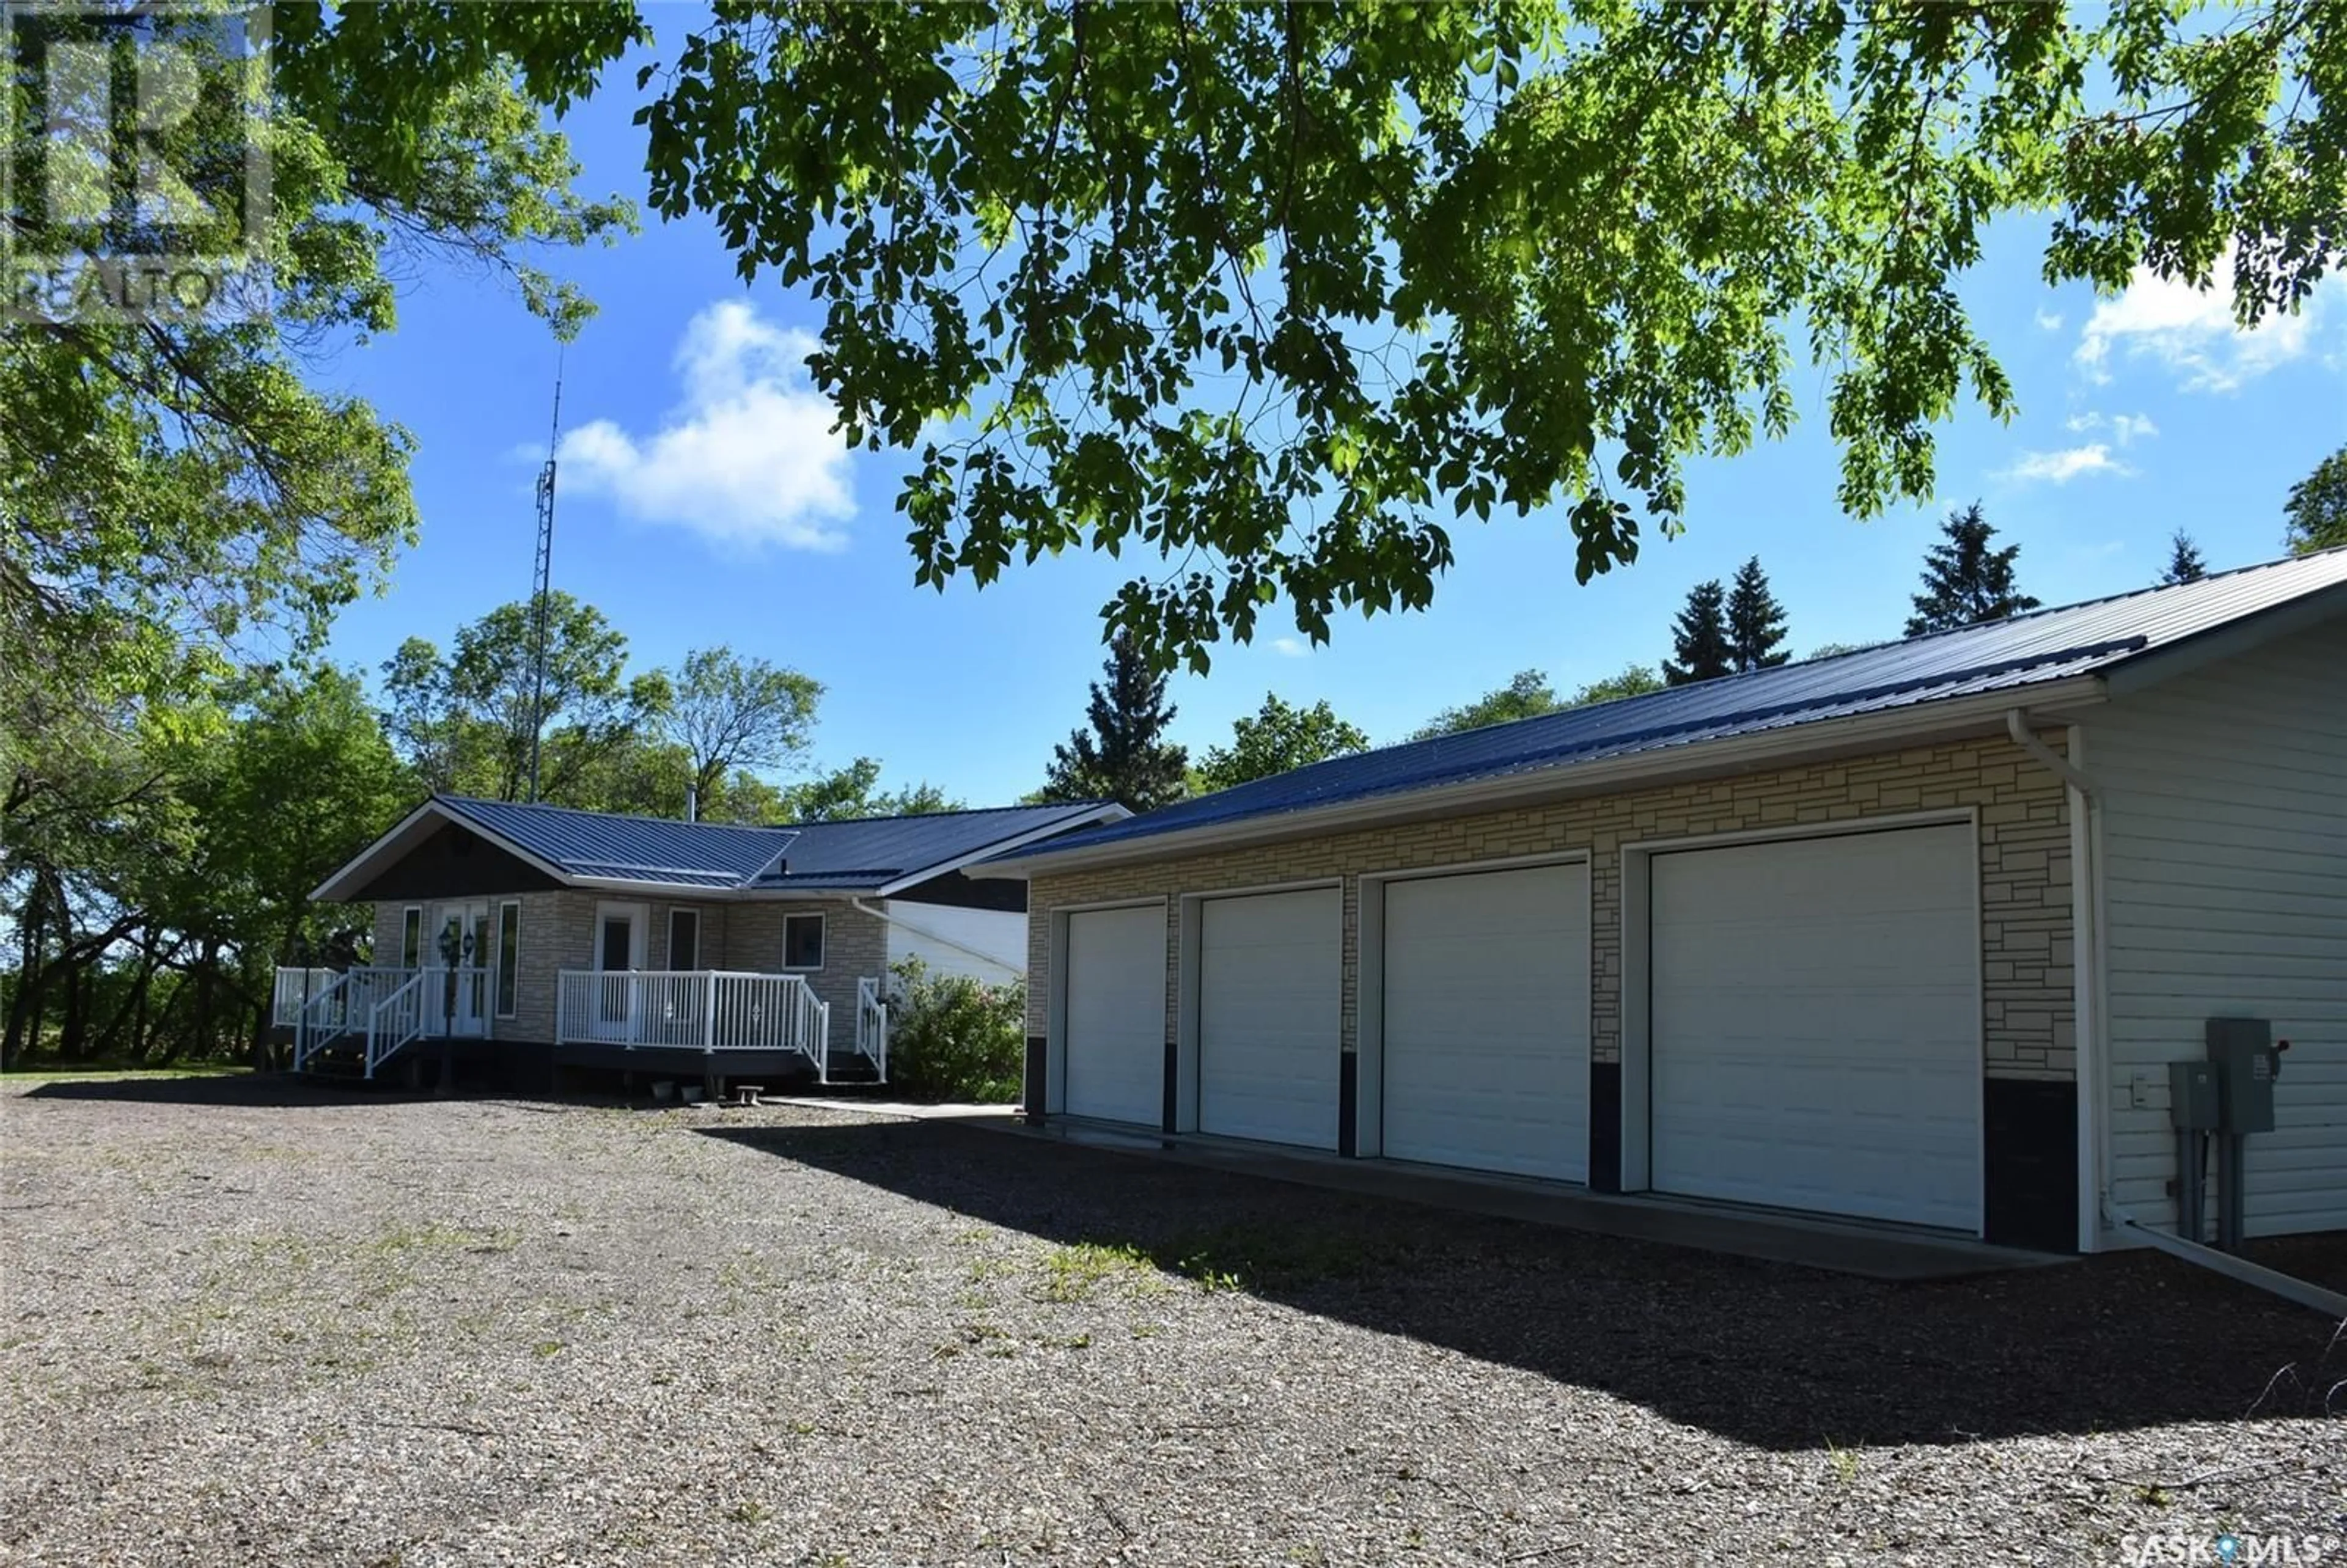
1756	622
1965	583
1123	756
2184	562
1700	638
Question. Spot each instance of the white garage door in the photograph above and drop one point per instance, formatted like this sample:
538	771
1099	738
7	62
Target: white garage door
1486	1033
1817	1019
1116	1015
1269	976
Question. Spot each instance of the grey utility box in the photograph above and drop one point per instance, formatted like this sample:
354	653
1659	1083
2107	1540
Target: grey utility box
2242	1052
2193	1105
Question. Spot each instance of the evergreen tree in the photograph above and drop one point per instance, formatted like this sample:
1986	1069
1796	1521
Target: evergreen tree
2184	562
1756	622
1965	583
1124	756
1700	638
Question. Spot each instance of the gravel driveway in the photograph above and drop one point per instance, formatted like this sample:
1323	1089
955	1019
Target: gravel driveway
244	1323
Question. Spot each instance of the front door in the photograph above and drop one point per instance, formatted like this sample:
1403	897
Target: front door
618	948
461	944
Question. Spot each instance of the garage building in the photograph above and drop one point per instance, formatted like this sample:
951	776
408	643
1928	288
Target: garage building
1905	936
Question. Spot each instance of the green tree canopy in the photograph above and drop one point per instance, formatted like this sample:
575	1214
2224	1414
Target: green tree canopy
1276	738
1635	680
465	718
1276	295
852	792
1527	695
1965	582
2316	511
730	714
1121	754
1756	622
1702	647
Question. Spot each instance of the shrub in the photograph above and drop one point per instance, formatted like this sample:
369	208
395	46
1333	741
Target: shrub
951	1036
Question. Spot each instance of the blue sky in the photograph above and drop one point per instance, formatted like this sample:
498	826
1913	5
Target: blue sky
703	501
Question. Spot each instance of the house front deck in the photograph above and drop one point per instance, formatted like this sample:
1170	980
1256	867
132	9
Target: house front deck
720	1023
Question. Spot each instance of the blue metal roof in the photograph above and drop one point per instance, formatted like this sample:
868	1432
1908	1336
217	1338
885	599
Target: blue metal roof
2008	655
843	856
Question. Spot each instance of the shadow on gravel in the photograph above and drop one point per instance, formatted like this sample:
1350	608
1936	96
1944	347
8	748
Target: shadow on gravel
262	1089
1767	1354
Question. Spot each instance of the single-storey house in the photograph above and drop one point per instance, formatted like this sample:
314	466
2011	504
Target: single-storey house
1908	935
534	940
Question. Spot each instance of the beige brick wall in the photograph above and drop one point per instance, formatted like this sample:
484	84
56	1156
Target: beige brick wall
855	946
2024	852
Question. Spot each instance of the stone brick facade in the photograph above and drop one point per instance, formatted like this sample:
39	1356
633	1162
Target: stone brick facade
2024	876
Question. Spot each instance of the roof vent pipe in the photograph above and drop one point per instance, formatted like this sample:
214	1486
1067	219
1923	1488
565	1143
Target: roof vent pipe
693	803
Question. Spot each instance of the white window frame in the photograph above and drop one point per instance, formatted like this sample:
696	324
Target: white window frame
823	942
411	936
694	916
500	1003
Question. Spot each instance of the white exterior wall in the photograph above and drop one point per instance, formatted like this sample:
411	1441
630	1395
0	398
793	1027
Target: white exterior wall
1001	935
2225	867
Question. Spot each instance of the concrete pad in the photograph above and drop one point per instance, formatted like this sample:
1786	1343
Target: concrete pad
1840	1246
899	1109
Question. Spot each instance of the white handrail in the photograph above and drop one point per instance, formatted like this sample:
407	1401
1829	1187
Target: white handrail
386	1036
319	1019
871	1026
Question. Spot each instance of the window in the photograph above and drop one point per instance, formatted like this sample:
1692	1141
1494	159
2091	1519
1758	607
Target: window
509	956
802	941
684	938
411	936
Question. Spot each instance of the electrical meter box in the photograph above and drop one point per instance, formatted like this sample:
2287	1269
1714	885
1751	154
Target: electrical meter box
2242	1052
2192	1097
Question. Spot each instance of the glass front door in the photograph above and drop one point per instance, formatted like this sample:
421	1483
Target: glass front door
463	945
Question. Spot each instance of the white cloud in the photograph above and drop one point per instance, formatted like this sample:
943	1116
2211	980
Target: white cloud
2061	468
2191	332
1291	647
748	455
2049	321
2127	428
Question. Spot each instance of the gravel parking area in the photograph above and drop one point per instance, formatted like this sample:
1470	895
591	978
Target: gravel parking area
245	1323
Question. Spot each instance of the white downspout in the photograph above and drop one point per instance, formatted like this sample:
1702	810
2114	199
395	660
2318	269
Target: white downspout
1013	971
2087	966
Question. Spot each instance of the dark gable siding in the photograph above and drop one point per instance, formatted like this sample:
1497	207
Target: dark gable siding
963	892
455	862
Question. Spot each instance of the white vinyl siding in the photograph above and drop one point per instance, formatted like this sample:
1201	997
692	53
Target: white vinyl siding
988	944
1270	998
1115	1046
2225	875
1817	1025
1486	1021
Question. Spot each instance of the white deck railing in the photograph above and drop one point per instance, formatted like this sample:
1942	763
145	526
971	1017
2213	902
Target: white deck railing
703	1010
871	1026
294	990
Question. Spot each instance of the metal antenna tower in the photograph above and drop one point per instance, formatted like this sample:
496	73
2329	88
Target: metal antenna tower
542	582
